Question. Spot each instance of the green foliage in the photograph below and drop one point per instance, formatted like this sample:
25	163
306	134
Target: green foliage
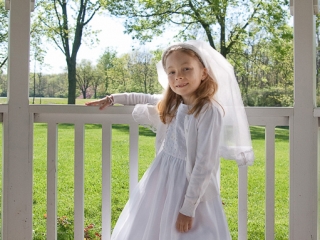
253	34
105	65
86	77
4	22
134	72
64	228
3	85
53	85
318	52
266	65
274	96
225	24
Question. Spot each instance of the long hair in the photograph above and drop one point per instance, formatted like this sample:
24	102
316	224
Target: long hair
168	105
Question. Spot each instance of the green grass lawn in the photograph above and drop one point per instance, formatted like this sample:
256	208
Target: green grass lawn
120	171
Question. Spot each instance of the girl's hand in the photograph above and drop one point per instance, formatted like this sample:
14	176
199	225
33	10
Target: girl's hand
184	223
102	103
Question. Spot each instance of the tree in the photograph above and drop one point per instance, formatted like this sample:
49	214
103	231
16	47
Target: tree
85	76
318	51
96	81
4	21
143	72
105	64
3	84
56	85
66	24
120	75
265	69
229	20
37	53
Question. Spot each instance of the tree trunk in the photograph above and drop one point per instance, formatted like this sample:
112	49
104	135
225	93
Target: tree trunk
72	80
95	92
3	62
223	48
34	86
145	84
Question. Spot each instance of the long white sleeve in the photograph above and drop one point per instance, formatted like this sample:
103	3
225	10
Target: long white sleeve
136	98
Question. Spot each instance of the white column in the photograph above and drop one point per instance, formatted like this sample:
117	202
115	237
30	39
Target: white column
17	150
303	164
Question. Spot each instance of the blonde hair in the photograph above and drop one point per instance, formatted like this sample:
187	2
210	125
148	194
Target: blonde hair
167	107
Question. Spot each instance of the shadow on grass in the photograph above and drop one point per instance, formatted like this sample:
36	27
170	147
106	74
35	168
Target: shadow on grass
258	133
143	131
282	134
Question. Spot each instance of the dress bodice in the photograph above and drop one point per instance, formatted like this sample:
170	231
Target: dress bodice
175	142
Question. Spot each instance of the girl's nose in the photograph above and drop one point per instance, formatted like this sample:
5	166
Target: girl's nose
178	76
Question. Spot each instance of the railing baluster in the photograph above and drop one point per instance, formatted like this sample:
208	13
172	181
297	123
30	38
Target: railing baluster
270	181
78	180
242	203
291	169
52	181
134	138
106	180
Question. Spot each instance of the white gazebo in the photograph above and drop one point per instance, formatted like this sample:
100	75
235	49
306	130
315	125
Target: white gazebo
18	118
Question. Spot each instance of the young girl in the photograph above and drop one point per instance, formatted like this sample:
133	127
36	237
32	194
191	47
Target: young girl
199	118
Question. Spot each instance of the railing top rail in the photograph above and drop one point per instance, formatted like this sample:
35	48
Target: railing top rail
81	109
316	112
269	111
3	108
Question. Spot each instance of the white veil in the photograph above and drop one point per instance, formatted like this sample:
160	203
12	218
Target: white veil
235	140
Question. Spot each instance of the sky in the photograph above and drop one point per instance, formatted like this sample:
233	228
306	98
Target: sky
111	35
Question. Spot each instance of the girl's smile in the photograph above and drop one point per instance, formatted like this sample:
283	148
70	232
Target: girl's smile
182	85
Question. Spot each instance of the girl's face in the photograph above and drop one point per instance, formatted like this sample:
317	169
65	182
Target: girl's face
185	73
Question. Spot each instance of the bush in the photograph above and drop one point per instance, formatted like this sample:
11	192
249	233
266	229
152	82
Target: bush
269	97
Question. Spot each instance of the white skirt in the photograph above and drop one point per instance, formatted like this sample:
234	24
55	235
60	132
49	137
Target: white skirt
152	211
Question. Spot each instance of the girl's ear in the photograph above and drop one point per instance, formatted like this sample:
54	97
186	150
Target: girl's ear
204	74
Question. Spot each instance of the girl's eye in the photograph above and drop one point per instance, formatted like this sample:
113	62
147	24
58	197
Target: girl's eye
171	73
186	69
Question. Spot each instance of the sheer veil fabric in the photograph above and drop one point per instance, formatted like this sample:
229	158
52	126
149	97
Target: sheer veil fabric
235	140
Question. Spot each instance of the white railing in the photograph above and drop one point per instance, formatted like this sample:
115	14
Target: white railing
269	118
80	115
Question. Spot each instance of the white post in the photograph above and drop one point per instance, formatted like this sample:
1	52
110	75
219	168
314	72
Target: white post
303	164
17	150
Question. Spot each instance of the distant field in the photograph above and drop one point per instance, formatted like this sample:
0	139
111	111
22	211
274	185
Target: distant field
50	101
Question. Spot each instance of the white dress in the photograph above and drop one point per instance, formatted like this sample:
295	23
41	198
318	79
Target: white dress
152	212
